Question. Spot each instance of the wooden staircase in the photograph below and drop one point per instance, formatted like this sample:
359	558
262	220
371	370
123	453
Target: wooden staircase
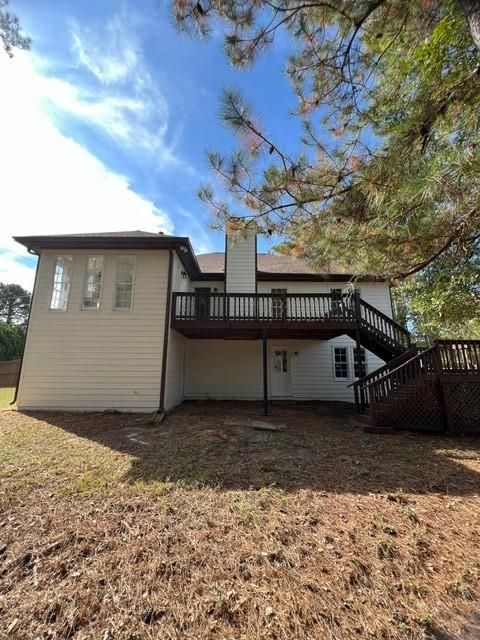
378	333
436	390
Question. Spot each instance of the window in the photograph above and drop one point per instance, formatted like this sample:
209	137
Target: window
278	303
124	283
61	283
93	283
280	361
359	367
340	364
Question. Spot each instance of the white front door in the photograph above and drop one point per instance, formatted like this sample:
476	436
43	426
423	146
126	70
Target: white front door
280	373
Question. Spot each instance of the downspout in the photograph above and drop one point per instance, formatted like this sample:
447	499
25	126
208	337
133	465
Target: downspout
27	325
166	331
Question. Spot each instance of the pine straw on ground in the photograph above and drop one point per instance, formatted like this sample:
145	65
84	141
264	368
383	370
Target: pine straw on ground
114	528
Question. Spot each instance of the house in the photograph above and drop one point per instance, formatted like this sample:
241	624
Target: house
136	321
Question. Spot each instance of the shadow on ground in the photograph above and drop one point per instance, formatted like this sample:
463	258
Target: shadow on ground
319	446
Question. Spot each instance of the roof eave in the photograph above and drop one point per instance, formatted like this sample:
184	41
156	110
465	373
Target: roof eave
316	277
180	244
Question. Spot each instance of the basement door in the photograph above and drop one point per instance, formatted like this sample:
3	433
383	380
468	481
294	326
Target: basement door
280	385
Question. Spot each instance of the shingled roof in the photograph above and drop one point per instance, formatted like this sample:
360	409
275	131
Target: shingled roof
110	234
267	263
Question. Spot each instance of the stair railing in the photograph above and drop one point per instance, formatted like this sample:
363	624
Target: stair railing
360	386
379	325
424	365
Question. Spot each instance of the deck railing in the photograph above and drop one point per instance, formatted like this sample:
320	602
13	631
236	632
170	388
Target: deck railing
262	307
204	309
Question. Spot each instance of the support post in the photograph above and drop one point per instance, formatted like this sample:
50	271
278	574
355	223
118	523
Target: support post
359	363
265	376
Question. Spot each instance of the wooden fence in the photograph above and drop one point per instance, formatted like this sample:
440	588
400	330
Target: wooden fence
9	370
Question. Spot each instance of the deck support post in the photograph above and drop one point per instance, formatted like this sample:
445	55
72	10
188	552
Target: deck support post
359	401
265	374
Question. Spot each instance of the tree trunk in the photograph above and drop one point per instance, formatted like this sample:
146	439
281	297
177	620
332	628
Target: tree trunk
471	9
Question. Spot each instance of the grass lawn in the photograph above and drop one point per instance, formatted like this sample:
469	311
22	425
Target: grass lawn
6	396
113	528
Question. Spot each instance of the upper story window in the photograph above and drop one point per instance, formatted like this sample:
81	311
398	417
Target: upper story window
62	276
93	283
124	282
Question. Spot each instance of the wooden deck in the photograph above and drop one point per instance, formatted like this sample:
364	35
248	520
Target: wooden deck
293	316
436	390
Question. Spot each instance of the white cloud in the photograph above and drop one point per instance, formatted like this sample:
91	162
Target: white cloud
125	100
50	183
111	57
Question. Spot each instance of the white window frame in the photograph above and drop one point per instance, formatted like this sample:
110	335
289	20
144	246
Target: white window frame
85	280
69	284
349	367
114	304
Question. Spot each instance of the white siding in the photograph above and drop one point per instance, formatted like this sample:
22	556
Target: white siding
174	391
313	373
176	344
219	286
105	359
241	263
375	293
223	369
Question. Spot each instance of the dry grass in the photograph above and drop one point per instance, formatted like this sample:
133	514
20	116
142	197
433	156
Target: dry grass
6	396
111	528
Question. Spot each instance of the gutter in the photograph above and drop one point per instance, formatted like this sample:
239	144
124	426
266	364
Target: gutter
31	252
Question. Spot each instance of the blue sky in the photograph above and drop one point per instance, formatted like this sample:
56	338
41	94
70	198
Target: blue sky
107	119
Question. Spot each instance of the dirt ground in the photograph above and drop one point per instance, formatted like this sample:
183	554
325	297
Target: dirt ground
209	526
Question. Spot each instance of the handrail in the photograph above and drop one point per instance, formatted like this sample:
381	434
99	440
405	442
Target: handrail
379	321
423	365
416	358
262	307
360	385
459	356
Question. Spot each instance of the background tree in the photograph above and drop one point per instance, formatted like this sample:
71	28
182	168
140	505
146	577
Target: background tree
14	304
12	338
385	177
11	35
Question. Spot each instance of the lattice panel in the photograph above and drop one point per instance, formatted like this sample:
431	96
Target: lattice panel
463	404
420	411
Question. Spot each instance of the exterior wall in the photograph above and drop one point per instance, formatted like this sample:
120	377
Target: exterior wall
218	285
241	263
375	293
174	391
222	369
95	360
